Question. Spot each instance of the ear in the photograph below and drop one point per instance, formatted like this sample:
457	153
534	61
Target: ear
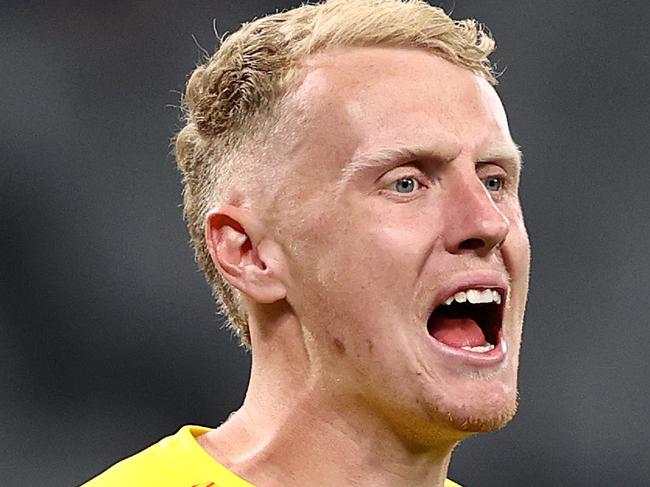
252	265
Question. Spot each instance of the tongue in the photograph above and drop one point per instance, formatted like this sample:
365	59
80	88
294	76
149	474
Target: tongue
458	332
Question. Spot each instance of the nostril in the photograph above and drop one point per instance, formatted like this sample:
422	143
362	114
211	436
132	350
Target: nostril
471	244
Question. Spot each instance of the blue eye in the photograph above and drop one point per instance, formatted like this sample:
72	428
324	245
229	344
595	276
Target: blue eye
405	185
493	183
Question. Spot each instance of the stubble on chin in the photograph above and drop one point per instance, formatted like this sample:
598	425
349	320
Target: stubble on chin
477	419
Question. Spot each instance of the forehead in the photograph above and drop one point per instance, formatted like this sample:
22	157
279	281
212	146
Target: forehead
357	99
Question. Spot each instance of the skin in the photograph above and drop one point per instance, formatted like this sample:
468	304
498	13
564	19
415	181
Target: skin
340	270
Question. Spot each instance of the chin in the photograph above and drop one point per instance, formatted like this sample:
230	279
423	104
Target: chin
481	412
483	422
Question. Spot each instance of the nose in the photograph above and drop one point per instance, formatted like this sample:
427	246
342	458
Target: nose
474	222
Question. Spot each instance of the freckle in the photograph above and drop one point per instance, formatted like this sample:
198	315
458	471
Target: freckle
339	346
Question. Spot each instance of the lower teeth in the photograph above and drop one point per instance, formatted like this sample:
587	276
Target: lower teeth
480	349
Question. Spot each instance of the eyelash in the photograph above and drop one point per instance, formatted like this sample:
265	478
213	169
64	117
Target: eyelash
499	177
415	177
503	180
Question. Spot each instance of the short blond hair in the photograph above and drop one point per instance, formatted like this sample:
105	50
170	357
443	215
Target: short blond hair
229	99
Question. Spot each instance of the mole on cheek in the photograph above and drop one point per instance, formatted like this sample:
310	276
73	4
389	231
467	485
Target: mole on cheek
340	348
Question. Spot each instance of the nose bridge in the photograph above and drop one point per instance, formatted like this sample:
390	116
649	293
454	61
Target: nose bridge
475	223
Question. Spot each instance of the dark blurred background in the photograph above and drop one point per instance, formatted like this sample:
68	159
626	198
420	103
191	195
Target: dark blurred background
109	338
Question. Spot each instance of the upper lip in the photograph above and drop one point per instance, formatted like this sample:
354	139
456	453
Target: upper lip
478	279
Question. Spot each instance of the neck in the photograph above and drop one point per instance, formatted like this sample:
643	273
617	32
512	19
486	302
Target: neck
286	435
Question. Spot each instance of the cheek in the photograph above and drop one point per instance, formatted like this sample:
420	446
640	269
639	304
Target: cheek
516	254
356	267
517	248
379	255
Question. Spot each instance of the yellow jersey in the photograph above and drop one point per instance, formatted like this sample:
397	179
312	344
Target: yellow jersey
175	461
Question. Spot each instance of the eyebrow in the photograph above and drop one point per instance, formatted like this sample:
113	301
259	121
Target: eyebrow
388	156
507	153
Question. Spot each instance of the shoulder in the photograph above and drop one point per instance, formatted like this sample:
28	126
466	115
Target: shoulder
176	460
135	470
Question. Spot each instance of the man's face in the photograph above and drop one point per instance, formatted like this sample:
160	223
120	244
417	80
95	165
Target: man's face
401	192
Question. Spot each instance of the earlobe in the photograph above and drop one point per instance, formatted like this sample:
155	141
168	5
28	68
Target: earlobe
243	259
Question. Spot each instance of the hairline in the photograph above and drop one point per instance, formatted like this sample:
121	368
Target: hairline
287	108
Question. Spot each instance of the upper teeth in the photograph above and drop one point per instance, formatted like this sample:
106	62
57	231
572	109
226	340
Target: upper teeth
476	296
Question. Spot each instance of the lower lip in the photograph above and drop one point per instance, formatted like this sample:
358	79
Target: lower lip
477	359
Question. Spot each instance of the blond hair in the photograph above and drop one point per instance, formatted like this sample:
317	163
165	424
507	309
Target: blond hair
230	99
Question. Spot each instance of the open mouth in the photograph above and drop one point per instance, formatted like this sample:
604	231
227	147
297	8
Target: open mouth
469	319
